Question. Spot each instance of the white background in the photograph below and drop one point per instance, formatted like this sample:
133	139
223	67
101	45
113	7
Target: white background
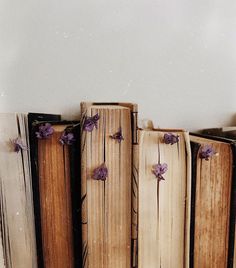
176	59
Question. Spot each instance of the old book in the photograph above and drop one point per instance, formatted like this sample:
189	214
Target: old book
229	135
33	120
212	225
106	149
17	241
163	202
55	201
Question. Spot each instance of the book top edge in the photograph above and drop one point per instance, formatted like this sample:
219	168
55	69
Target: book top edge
163	130
209	139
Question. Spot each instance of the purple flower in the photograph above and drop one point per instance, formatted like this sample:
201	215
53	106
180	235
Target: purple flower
100	173
160	169
170	138
67	138
18	145
206	152
118	136
91	122
44	131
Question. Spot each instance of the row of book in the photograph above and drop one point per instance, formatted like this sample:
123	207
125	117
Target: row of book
103	193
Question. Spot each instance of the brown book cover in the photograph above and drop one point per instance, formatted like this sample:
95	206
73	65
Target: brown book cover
163	169
213	201
106	181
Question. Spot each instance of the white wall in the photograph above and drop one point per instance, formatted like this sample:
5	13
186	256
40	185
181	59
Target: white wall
175	58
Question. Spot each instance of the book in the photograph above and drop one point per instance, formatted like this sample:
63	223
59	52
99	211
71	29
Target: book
106	181
229	135
33	120
17	241
163	200
55	196
212	220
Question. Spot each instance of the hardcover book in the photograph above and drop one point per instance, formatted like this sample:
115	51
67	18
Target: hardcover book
33	120
213	201
55	194
229	134
163	169
106	181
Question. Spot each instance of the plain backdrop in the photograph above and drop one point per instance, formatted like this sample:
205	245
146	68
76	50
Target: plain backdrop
175	58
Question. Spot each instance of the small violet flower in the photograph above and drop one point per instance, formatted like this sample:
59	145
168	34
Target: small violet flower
206	152
159	170
67	138
170	138
44	131
100	173
91	122
18	145
118	136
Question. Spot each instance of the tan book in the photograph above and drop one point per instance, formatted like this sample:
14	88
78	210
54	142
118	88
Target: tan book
106	193
17	239
211	244
163	199
54	178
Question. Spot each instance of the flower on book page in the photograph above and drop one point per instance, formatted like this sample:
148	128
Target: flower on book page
206	152
100	173
118	136
170	138
18	145
91	122
159	170
44	131
67	138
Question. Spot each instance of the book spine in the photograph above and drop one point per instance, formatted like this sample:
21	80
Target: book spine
188	198
194	153
232	228
134	244
84	209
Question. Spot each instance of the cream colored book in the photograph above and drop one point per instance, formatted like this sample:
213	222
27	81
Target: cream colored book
106	167
17	242
164	191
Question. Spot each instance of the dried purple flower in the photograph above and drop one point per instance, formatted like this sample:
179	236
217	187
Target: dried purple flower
91	122
118	136
170	138
67	138
18	145
160	169
44	131
206	152
100	173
